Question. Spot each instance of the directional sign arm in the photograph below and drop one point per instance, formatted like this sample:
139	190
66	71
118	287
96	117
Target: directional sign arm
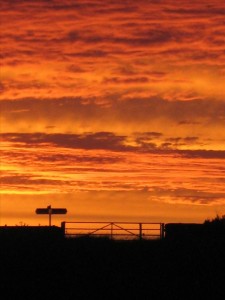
59	211
54	211
42	211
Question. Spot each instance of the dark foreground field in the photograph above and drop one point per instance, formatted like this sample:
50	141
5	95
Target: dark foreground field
105	269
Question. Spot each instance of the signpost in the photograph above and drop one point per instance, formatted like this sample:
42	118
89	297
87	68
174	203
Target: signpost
51	211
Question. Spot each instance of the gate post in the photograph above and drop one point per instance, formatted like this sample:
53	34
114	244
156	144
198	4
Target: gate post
162	231
63	227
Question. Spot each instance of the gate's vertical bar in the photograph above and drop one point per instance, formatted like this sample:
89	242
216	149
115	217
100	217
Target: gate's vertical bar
140	231
111	231
50	214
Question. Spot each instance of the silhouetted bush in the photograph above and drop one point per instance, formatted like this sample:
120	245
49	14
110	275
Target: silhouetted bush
217	220
215	228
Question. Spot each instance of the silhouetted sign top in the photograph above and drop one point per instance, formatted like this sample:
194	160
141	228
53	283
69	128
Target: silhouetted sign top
53	211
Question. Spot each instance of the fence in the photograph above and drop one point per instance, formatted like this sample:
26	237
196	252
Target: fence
114	230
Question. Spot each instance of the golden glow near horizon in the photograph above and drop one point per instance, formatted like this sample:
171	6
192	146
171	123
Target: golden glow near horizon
115	111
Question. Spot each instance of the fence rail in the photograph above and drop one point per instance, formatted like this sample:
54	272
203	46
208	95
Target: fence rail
114	230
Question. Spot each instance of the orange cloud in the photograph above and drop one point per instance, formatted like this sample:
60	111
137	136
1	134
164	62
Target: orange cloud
43	55
123	100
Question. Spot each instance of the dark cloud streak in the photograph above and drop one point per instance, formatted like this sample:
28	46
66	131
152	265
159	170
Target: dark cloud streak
110	141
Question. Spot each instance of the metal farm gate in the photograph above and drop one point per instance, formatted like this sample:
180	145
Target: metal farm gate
114	230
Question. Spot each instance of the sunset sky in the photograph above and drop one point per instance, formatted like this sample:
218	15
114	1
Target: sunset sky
114	110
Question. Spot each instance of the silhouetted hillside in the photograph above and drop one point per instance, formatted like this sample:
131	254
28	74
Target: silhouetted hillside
17	234
99	268
214	229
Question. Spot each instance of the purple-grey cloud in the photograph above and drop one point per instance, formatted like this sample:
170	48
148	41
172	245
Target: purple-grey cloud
99	140
112	142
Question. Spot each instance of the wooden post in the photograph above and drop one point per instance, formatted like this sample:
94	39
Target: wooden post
162	231
63	227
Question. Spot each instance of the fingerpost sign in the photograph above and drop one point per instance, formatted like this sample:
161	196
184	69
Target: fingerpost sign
51	211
